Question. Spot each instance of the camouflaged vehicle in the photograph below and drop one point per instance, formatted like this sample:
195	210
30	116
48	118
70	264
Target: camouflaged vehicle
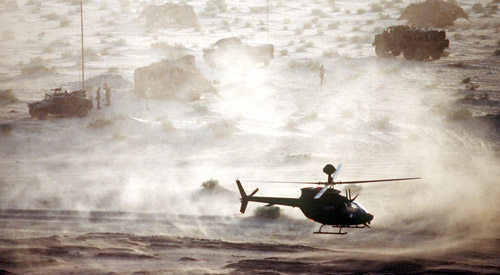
232	50
415	44
74	103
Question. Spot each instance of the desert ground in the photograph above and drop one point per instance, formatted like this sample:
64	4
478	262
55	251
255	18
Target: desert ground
123	190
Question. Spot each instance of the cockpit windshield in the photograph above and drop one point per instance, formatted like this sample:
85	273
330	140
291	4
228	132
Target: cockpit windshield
352	207
361	206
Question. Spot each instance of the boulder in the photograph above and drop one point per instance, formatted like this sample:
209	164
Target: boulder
179	79
433	13
169	15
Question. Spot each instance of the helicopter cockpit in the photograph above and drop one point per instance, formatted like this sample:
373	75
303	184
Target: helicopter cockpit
353	208
357	212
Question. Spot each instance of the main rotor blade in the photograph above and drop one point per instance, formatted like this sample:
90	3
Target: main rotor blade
319	182
275	181
321	192
337	171
364	181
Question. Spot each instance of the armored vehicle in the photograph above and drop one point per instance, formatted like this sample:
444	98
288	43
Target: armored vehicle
414	43
74	103
231	50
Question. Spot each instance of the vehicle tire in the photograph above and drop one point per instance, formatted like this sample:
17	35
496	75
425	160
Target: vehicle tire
41	114
395	53
380	50
81	111
435	55
409	53
32	112
420	54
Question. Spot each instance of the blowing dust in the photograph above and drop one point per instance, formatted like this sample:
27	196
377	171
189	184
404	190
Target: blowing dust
364	117
138	167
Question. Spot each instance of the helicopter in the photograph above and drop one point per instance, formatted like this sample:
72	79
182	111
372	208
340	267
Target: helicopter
324	205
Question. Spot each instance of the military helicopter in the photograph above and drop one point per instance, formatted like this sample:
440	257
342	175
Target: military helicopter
323	205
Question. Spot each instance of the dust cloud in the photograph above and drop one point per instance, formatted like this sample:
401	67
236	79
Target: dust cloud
152	175
364	117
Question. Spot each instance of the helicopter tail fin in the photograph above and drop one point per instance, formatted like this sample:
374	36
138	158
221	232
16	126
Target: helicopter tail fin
244	196
243	207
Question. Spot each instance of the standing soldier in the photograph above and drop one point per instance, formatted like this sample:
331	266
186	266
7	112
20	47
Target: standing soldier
108	94
98	97
148	92
322	74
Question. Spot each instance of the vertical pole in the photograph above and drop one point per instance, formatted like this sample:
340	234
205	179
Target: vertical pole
83	65
267	21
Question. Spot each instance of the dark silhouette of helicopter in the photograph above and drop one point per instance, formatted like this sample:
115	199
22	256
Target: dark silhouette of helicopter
323	205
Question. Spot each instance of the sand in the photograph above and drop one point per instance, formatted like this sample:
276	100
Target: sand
119	191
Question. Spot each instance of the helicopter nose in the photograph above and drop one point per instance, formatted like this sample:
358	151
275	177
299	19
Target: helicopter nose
368	217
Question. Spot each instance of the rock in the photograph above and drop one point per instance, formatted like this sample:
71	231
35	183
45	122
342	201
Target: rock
267	212
6	128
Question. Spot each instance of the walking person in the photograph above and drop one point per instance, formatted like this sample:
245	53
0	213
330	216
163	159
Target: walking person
322	74
108	94
98	97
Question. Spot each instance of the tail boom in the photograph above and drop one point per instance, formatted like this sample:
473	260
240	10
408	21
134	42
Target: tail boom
269	200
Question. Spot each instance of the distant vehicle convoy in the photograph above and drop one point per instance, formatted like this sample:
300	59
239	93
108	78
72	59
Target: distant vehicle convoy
231	50
415	44
74	103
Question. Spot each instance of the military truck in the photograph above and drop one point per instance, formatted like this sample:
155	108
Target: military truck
414	43
232	50
74	103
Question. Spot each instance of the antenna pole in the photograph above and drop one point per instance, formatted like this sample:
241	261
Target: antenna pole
83	64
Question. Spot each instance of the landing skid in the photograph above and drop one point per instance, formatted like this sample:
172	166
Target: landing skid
340	229
331	233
